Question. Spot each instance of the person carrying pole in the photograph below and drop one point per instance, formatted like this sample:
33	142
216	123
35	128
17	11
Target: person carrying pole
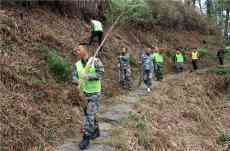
153	55
89	80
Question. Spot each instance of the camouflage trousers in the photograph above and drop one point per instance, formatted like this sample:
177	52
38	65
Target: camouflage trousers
125	77
159	72
90	121
179	66
147	77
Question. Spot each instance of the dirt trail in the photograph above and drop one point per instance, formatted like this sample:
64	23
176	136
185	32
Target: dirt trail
114	112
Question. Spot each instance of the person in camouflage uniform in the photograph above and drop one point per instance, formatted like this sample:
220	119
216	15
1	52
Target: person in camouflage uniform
147	64
124	69
158	58
89	80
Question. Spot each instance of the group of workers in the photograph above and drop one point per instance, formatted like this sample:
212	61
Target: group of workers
88	77
152	64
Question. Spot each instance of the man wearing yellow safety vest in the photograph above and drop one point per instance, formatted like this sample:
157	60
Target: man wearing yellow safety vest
96	31
195	58
179	61
88	77
158	59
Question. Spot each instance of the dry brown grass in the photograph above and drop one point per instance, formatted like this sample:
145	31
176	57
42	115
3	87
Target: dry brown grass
31	114
34	108
185	114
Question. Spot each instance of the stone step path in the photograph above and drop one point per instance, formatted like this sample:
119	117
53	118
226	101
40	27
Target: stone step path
109	120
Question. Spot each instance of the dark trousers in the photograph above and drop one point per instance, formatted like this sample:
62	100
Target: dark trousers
94	34
194	64
147	75
221	60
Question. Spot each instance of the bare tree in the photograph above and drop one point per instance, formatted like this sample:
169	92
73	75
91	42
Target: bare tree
227	23
200	6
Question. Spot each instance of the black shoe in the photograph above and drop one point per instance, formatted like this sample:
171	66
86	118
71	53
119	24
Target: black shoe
84	144
96	133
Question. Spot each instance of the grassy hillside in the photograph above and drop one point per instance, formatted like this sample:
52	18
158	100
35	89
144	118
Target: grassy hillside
36	107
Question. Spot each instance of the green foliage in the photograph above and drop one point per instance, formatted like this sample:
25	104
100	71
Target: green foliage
227	54
133	62
40	147
51	135
224	71
140	125
109	94
205	53
134	11
139	122
7	46
58	66
227	49
167	13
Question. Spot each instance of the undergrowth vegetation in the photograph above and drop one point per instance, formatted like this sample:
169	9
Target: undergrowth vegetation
220	70
58	66
170	15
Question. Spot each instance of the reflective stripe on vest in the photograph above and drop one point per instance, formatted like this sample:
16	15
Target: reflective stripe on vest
97	26
195	55
158	58
88	86
179	58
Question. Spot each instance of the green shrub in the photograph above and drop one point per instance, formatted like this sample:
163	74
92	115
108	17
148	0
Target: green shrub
165	13
133	62
59	67
224	71
134	11
205	53
109	94
227	49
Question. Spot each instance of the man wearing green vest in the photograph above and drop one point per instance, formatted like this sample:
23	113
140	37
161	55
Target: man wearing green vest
159	63
88	78
96	31
179	61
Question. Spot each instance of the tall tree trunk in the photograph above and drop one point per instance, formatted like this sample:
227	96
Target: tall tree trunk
194	3
226	23
200	5
209	5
